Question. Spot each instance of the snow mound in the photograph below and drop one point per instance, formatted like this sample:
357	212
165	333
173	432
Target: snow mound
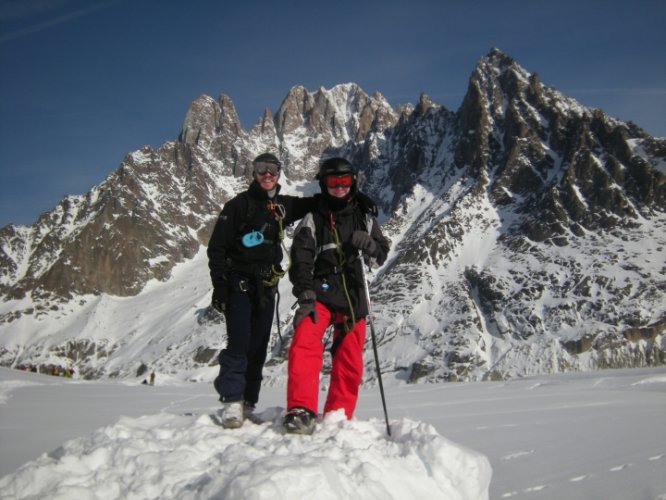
172	456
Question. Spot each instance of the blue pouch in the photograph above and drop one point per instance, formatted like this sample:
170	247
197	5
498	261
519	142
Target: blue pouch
252	239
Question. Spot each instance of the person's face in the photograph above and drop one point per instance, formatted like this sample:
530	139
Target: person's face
267	175
338	186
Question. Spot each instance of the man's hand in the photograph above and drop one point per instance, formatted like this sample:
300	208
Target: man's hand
306	307
220	298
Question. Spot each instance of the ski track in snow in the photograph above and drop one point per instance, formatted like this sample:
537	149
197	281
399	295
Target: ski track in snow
517	454
576	479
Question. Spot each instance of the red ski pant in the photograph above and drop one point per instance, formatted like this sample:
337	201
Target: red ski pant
306	359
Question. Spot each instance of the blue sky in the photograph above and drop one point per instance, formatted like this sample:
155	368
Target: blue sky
83	82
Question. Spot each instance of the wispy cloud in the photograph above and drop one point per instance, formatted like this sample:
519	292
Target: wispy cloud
608	90
18	11
13	10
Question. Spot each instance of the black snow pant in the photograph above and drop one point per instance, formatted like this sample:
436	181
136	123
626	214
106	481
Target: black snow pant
249	317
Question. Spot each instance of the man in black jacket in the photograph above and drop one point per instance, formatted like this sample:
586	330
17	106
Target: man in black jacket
244	257
327	278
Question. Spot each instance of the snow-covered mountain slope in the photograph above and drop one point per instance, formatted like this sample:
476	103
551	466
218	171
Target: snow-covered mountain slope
527	232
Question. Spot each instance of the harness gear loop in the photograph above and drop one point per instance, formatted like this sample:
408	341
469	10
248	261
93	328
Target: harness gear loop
277	315
278	211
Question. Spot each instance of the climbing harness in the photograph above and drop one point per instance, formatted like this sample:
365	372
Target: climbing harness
347	321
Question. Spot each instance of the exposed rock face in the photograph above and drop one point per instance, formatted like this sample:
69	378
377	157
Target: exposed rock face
527	220
153	212
528	230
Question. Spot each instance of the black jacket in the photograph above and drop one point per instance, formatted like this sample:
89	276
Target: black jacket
316	262
249	211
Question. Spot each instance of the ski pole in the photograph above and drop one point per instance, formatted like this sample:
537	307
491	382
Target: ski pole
374	341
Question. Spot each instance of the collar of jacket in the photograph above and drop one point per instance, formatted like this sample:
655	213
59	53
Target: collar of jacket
256	191
327	204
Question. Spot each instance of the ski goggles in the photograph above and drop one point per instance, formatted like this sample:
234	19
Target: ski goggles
263	168
342	181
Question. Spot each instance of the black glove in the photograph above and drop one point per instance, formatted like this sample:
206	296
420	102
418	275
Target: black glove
306	307
220	297
364	242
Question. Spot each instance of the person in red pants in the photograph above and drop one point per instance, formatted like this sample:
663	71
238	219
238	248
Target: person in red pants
327	276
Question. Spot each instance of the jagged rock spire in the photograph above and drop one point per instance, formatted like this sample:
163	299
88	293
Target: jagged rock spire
207	119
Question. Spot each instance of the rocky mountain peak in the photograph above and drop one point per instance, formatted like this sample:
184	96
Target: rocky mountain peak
266	126
424	104
520	132
498	60
327	120
211	124
291	113
228	123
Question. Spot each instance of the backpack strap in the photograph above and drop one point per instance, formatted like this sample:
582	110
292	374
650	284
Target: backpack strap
250	211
